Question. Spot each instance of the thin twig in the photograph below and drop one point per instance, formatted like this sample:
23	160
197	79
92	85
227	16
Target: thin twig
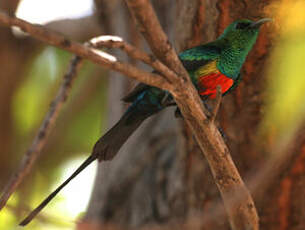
217	103
99	57
237	199
40	139
133	52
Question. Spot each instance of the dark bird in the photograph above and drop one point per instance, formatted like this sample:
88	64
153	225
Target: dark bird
209	65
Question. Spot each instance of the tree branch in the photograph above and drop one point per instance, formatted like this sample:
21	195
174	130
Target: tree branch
151	29
133	52
40	139
236	197
94	55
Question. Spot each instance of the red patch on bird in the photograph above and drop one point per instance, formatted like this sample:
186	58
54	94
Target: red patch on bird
208	83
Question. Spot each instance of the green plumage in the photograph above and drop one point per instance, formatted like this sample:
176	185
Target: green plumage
229	50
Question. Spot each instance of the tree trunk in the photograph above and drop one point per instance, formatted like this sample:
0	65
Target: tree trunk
160	176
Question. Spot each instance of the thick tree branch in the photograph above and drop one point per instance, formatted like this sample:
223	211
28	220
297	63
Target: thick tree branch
94	55
157	40
236	197
40	139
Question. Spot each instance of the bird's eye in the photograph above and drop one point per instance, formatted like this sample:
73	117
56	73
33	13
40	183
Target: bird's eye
241	25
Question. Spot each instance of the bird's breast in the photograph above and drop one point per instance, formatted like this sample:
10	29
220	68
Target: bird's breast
208	77
207	84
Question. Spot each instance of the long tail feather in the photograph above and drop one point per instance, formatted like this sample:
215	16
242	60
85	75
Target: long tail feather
110	143
28	219
104	149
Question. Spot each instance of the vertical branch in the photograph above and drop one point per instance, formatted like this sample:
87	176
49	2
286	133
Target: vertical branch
155	36
40	139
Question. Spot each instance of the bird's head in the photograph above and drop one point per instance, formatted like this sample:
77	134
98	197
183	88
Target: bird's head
242	34
236	42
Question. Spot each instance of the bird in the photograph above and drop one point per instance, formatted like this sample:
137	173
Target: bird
217	63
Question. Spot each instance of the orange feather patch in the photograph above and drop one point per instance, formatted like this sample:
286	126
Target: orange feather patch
208	83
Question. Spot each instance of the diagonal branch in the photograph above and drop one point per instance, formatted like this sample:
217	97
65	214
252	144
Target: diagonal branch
236	197
133	52
40	139
94	55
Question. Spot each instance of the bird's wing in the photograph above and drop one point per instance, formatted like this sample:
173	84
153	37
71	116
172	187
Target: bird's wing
201	62
194	58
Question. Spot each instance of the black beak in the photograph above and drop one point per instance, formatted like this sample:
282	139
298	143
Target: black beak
260	22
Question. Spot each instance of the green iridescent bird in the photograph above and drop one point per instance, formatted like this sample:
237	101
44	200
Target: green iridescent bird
215	63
